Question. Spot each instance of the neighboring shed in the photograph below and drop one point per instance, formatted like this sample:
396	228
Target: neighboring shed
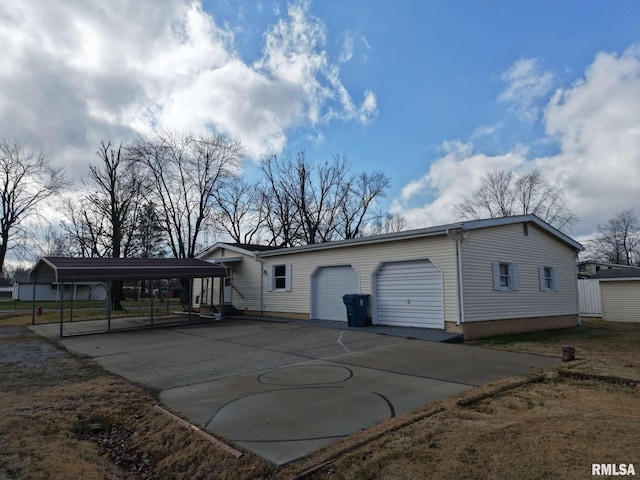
53	291
480	278
620	294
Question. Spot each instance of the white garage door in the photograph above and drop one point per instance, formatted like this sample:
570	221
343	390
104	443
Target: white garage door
329	284
409	294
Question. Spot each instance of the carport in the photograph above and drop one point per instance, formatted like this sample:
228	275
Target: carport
61	270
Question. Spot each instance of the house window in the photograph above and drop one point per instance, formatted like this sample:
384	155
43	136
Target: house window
280	277
505	276
548	279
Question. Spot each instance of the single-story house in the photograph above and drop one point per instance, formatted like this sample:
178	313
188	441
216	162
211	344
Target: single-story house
53	291
620	294
479	278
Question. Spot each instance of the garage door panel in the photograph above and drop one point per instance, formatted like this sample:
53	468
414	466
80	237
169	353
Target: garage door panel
410	294
329	286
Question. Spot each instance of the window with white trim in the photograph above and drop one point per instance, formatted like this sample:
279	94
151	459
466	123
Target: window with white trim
505	276
280	278
548	279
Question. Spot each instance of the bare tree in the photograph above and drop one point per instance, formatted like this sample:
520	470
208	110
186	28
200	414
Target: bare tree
389	223
103	222
184	172
359	195
239	209
308	203
503	194
117	191
85	232
618	240
150	239
27	180
279	210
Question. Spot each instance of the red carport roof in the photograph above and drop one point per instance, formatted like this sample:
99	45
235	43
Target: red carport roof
67	269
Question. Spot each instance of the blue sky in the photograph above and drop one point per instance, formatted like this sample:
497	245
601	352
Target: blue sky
433	93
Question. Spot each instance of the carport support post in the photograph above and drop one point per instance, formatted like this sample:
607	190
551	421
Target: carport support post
73	296
109	307
190	297
167	295
61	308
33	305
221	297
151	297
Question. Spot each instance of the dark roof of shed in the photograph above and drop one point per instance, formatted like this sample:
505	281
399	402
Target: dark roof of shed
66	269
630	272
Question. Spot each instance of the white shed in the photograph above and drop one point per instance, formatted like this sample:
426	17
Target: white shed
53	292
620	294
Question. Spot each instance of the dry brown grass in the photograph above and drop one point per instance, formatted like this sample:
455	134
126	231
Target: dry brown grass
551	429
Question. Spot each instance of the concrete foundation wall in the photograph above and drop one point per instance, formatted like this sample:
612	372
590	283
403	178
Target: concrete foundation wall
473	330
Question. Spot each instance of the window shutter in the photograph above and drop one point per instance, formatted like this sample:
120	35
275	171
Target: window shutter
287	284
271	280
554	276
543	285
513	272
496	276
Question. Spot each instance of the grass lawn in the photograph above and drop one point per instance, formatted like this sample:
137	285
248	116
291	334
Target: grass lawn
64	417
21	312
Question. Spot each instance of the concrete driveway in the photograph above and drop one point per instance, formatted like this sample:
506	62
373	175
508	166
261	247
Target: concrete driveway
285	389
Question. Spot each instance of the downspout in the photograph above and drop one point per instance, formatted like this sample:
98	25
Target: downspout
261	285
575	275
456	239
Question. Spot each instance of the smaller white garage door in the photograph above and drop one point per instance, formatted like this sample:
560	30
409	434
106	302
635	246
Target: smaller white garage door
328	285
409	294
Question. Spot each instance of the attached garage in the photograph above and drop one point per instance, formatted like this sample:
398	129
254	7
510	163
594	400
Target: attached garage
409	294
439	278
328	285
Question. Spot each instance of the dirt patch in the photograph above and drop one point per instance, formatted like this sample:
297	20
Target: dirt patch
64	417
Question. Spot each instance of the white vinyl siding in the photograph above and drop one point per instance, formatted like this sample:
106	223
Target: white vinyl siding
329	285
364	259
507	244
409	294
246	278
620	300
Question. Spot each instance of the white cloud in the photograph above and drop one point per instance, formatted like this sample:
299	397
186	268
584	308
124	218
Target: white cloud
80	71
596	125
448	180
526	84
347	48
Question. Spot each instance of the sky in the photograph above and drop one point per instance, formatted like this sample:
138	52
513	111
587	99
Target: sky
433	93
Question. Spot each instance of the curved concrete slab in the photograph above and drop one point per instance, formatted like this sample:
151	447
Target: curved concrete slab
284	389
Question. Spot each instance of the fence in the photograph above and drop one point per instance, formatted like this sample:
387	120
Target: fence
589	294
